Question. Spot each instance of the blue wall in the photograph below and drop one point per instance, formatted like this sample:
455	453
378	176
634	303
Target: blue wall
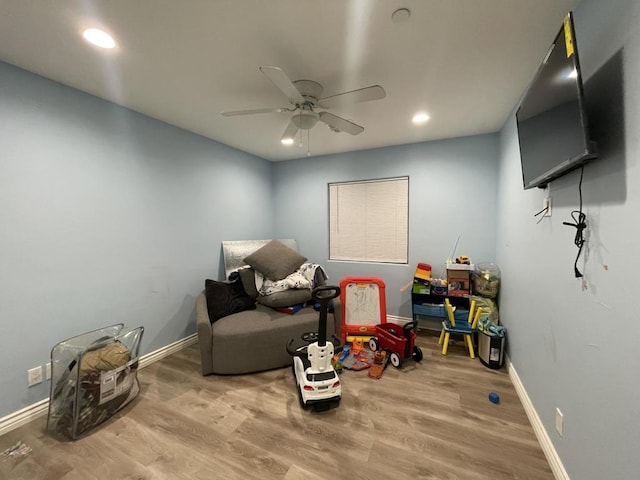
115	217
574	341
452	191
107	216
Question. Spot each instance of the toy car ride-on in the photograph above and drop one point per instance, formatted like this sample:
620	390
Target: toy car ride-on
398	340
316	379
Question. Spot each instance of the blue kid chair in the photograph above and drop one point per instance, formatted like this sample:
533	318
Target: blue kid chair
466	329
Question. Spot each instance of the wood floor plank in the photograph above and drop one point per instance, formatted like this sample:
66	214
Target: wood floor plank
430	420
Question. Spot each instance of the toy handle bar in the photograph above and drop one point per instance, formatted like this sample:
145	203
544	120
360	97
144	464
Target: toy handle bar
294	352
409	326
325	292
337	343
324	295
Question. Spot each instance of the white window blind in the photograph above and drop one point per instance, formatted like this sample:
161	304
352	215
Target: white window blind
369	220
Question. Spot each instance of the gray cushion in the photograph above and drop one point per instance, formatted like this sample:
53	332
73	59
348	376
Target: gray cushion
293	296
248	279
275	260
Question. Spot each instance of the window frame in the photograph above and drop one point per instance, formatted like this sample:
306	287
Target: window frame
399	255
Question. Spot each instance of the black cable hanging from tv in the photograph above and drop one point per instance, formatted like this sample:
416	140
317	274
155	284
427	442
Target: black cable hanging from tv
579	222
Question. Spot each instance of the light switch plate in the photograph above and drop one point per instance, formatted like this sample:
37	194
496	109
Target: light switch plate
34	376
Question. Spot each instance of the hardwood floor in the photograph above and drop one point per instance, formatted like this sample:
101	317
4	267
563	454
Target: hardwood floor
431	420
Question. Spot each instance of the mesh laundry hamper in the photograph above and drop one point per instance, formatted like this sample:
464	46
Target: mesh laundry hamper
93	375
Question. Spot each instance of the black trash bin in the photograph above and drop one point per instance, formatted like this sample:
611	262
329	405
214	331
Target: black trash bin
491	349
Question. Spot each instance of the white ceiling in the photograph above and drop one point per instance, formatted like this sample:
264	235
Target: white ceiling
465	62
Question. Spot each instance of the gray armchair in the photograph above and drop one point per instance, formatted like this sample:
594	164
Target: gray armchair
255	340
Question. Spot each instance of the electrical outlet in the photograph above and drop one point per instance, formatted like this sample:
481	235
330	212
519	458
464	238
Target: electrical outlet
47	370
34	376
546	204
559	421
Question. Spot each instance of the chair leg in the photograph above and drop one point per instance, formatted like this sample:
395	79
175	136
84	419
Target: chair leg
441	337
469	342
445	345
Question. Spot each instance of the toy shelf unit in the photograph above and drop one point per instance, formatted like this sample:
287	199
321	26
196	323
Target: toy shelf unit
429	309
427	302
363	306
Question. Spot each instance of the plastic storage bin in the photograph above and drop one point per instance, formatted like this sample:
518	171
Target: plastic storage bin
486	280
93	376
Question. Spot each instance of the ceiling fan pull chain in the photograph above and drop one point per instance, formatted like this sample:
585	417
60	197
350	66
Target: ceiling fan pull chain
300	121
308	144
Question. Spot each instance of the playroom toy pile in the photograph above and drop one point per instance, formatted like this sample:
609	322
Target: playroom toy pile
316	366
369	342
464	295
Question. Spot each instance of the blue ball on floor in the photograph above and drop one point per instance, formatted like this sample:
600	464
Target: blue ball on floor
494	397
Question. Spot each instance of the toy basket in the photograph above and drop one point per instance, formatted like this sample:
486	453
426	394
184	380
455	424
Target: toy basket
93	376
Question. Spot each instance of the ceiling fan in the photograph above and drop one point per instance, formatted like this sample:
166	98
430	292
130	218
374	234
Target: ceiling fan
305	97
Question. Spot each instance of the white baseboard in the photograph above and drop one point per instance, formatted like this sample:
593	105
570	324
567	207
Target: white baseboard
38	409
398	320
149	358
25	415
538	428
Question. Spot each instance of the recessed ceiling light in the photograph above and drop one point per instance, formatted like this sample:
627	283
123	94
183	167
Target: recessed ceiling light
99	38
287	141
420	117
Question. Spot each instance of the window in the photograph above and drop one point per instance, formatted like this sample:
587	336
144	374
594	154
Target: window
369	220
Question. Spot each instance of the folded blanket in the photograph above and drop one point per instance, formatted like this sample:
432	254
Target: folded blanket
486	326
307	276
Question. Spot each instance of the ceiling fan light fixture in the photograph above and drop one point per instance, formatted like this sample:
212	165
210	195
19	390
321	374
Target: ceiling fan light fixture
420	118
286	140
99	38
305	119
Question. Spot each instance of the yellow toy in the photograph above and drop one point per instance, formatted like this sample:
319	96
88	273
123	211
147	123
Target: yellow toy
463	259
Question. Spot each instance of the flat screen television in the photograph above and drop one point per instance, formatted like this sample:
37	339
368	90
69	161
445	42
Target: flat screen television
551	119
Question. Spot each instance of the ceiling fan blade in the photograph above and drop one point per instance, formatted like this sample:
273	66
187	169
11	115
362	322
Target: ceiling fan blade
340	124
233	113
366	94
289	134
280	80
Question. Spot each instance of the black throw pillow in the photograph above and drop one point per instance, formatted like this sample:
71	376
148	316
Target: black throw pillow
226	298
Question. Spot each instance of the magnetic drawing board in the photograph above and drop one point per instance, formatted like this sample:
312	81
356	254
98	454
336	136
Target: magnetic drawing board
363	306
